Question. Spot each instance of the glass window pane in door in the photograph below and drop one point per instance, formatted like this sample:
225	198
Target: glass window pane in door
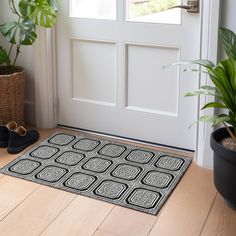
155	11
95	9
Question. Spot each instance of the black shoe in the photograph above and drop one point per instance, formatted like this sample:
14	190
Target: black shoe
20	139
4	133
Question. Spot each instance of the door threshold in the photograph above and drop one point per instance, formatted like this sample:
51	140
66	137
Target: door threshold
143	142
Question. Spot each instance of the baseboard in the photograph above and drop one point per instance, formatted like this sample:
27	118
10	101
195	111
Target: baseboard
30	112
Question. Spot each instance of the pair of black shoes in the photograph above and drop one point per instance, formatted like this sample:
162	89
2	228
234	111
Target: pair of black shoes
16	138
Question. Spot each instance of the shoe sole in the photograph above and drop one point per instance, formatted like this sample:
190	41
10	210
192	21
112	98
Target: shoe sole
20	148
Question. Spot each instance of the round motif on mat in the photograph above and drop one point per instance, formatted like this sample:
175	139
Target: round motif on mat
157	179
25	166
140	156
127	172
169	162
112	150
80	181
51	173
86	144
70	158
61	139
110	189
97	164
144	198
44	152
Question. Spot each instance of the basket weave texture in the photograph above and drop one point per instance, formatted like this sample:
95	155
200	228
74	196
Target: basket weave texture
12	90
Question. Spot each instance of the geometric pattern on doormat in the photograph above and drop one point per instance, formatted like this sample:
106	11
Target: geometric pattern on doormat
125	175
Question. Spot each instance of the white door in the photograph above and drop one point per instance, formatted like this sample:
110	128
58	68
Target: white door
110	76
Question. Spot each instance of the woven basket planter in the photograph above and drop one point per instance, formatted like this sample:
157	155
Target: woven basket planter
12	90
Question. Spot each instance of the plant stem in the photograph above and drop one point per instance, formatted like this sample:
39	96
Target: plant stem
14	8
230	133
9	53
18	46
17	53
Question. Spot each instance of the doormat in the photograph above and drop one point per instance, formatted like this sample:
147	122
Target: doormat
125	175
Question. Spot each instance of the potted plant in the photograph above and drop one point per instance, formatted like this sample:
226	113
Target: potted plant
20	32
223	140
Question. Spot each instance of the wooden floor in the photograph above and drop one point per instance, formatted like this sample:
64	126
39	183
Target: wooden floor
194	208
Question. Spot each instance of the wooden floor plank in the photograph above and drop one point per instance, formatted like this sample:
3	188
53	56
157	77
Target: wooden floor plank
1	151
33	215
187	208
12	192
221	220
122	221
81	218
102	233
7	158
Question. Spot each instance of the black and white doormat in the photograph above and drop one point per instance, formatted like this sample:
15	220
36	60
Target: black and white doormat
129	176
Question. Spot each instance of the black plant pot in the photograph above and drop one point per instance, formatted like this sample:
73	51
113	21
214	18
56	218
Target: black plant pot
224	168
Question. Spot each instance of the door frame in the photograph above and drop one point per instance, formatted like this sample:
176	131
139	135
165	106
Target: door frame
210	21
46	99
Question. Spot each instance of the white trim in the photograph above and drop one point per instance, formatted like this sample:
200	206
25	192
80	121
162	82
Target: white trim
45	79
209	50
153	111
94	102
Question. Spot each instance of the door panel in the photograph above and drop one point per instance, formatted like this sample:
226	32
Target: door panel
90	75
110	76
144	76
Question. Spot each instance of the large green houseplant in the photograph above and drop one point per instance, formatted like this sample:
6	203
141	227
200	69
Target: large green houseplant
223	140
21	31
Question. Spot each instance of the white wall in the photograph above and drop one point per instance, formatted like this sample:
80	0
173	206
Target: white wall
26	60
229	14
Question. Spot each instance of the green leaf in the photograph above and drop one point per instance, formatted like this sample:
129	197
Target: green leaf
196	93
213	104
205	90
53	5
229	66
228	39
215	120
219	119
41	12
205	63
4	58
222	78
223	86
22	32
207	87
8	31
24	8
195	70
